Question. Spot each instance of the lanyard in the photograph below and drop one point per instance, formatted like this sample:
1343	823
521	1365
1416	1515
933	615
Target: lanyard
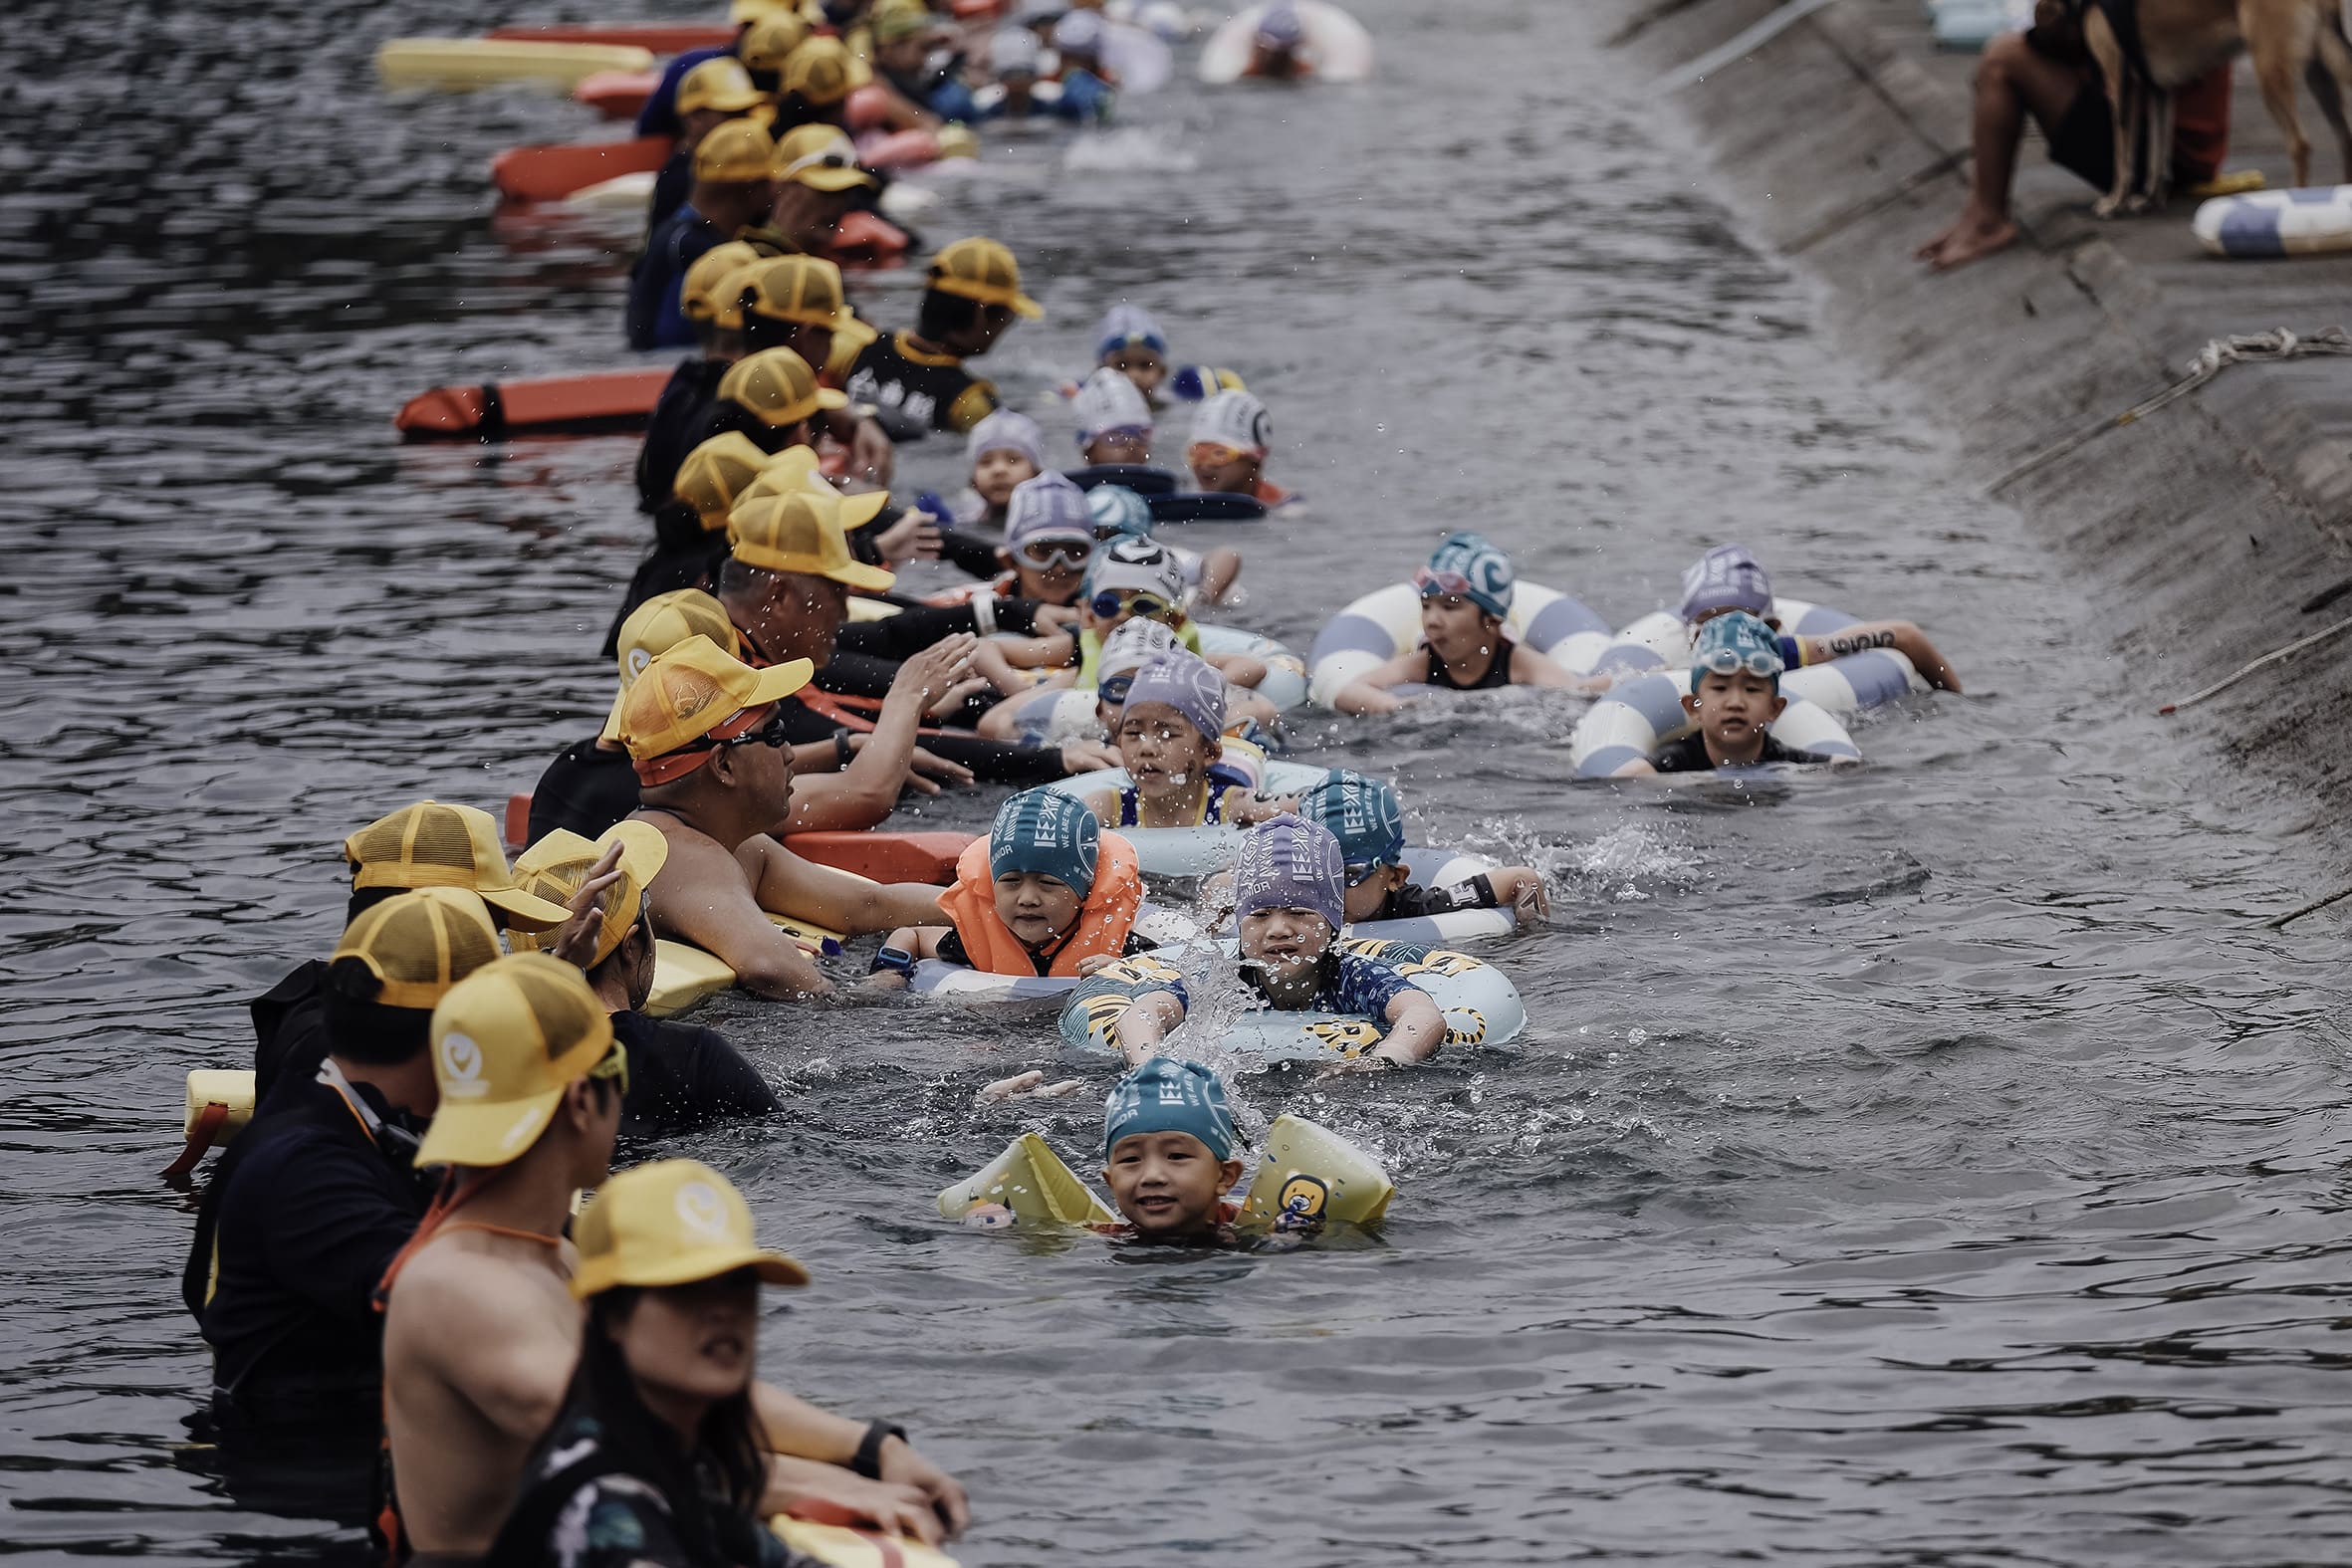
378	1131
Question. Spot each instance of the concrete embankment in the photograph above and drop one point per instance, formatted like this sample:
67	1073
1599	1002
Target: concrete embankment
2210	532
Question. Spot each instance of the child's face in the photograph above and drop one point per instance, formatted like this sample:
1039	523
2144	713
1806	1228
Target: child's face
1734	709
995	474
1166	1184
1221	470
1144	366
1037	907
1051	569
1162	751
1456	628
1120	446
1365	898
1284	938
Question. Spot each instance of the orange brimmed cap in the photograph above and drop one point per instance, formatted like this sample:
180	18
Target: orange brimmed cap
693	692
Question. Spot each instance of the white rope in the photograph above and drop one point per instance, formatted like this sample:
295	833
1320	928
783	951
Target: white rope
2263	663
1746	43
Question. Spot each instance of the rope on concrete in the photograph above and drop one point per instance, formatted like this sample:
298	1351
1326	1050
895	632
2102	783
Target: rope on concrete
1746	43
2274	346
2263	663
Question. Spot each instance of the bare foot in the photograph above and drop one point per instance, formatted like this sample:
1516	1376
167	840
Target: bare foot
1973	237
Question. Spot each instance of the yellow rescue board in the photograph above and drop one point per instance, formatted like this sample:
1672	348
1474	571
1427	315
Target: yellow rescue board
844	1547
684	975
456	64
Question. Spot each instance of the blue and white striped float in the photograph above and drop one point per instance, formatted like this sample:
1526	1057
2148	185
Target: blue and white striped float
1189	851
1480	1006
1381	625
962	982
1641	713
1844	687
1440	868
2301	222
1056	715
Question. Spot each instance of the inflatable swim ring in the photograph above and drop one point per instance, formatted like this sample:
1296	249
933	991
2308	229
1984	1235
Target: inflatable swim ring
1337	47
1440	868
962	982
2300	222
1306	1174
1843	687
1189	851
1383	624
1645	712
1480	1006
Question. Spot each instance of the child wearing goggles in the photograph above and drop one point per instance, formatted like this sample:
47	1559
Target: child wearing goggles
1466	592
1735	696
1170	735
1232	436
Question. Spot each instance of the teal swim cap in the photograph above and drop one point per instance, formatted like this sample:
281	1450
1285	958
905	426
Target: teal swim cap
1049	833
1167	1095
1737	642
1362	812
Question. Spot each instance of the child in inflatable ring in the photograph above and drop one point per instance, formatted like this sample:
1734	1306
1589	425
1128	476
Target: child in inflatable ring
1170	735
1128	580
1048	892
1727	577
1465	593
1363	814
1290	894
1734	695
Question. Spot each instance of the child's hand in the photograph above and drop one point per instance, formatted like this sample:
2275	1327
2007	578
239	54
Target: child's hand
1522	889
1087	756
1030	1085
1253	810
1095	964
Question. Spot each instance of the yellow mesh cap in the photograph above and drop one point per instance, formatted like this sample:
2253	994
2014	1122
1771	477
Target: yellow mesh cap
421	944
757	11
736	154
820	71
670	1223
778	385
796	469
694	688
892	20
558	865
821	157
721	84
658	626
717	474
704	295
431	845
805	289
771	40
801	531
508	1040
983	270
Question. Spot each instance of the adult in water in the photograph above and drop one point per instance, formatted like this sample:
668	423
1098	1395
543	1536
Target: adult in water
973	295
481	1330
731	193
710	94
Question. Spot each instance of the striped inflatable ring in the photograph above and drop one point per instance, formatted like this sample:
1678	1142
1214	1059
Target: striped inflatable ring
1054	714
962	982
2300	222
1383	624
1440	868
1189	851
1644	711
1844	687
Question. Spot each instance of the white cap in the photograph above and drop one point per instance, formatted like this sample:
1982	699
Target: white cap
1109	401
1132	647
1081	32
1234	419
1013	50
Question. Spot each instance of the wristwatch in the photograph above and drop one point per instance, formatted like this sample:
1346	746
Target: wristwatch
897	961
842	749
868	1460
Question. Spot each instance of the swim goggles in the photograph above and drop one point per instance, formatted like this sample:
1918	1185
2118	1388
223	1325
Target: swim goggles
1433	582
1120	433
1148	605
1764	664
1113	689
776	732
614	1064
1051	553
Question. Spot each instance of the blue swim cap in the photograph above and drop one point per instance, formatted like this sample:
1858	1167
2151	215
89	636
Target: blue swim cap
1726	578
1048	832
1117	510
1167	1095
1363	814
1128	327
1732	641
1471	566
1285	863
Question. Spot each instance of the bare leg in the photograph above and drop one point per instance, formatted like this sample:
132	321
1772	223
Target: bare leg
2276	60
2012	83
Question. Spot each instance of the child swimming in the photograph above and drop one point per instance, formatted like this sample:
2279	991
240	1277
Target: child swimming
1005	450
1115	420
1119	511
1232	435
1170	735
1129	341
1048	542
1727	577
1466	592
1290	897
1047	892
1130	578
1735	696
1168	1142
1364	815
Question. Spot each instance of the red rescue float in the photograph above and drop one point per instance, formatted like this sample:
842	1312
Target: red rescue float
593	404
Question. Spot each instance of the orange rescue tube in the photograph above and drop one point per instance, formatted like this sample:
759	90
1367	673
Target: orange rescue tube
616	95
662	38
551	174
602	401
886	857
863	239
900	149
870	108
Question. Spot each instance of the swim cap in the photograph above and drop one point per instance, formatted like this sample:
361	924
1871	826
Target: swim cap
1726	578
1287	863
1006	431
1279	27
1110	402
1134	566
1469	564
1079	33
1128	327
1012	52
1361	812
1046	507
1235	420
1187	683
1191	383
1116	510
1737	642
1049	833
1136	643
1167	1095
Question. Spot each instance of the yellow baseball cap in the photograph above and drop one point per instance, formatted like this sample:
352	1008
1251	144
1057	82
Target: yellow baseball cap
756	11
798	288
697	689
717	474
431	845
736	154
821	157
796	469
558	865
821	71
705	295
721	84
421	944
801	531
778	385
892	20
983	270
771	40
671	1223
508	1040
658	626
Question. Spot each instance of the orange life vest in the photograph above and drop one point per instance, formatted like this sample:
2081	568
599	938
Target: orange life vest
1104	920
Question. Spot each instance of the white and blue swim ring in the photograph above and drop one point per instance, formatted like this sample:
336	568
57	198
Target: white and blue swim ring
1286	673
1189	851
1337	47
2305	221
1479	1003
937	978
1383	624
1440	868
1642	713
1843	686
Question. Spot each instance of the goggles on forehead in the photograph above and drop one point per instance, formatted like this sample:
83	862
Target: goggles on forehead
1120	433
1150	606
1050	553
1764	664
1433	582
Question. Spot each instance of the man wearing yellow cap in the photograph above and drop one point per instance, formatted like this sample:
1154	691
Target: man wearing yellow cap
909	61
482	1330
709	95
819	182
659	116
919	376
711	301
731	193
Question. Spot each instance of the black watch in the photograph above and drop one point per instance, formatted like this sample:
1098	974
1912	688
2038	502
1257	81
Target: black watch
897	961
842	749
868	1460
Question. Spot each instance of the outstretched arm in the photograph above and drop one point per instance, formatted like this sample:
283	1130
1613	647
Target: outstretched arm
1368	693
1899	635
1415	1029
1530	668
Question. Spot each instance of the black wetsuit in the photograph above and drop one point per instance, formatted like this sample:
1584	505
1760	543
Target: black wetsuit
921	389
679	414
587	788
1497	672
1689	755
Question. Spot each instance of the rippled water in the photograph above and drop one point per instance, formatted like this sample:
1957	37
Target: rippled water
1934	1165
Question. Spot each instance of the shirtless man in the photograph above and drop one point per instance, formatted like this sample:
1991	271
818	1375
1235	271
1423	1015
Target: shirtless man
481	1330
715	776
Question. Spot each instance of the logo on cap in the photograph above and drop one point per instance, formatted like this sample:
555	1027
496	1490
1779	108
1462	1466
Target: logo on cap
461	1066
702	1211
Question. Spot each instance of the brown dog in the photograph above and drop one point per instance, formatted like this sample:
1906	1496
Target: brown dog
2146	47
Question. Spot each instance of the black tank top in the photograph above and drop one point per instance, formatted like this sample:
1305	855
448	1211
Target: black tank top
1497	672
